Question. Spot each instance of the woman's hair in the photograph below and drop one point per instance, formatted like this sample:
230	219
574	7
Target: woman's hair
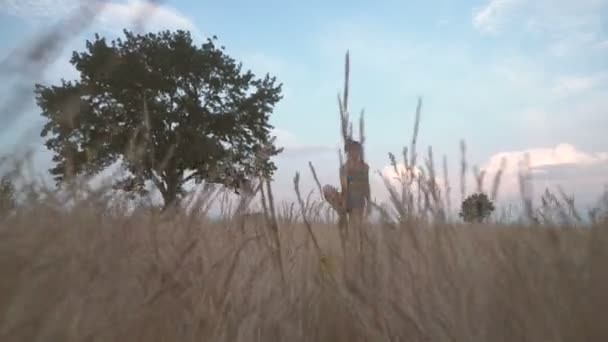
351	145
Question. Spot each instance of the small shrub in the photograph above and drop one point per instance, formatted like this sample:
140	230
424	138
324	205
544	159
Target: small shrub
476	208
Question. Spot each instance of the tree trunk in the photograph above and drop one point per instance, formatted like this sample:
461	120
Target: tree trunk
170	199
172	184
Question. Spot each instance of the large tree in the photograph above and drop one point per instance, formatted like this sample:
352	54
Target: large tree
168	110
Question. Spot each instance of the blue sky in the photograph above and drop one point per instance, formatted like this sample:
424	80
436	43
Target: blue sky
508	76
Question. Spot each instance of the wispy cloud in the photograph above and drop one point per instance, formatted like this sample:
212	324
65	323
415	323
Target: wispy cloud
519	73
570	25
579	116
577	84
36	10
603	45
114	16
491	17
541	15
569	44
294	148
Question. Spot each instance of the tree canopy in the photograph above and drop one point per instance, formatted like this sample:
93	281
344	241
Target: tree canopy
169	110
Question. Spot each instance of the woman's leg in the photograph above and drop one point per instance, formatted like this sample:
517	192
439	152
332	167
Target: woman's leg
356	210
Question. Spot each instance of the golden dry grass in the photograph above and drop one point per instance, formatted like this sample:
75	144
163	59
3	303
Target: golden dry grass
98	275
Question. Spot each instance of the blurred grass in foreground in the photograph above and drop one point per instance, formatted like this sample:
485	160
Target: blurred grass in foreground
99	272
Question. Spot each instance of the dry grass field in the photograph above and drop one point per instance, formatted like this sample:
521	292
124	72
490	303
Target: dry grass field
95	273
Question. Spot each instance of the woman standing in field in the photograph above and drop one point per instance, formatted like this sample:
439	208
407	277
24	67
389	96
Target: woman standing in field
354	199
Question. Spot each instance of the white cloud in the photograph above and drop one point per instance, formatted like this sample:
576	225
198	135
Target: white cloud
571	25
579	84
117	16
38	9
284	137
289	74
573	84
395	178
540	15
603	45
572	42
541	97
540	157
491	17
522	74
294	148
534	118
261	63
579	117
370	46
388	173
580	172
114	16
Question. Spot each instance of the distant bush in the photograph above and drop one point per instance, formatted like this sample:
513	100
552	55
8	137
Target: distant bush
476	208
